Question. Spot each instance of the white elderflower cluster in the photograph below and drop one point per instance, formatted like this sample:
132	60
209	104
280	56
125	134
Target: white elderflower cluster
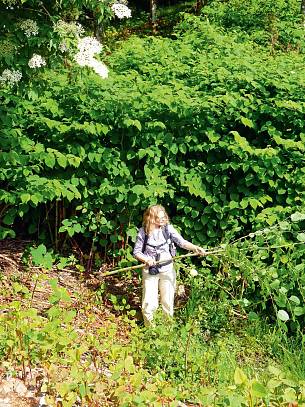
65	29
36	61
87	47
10	77
29	27
100	68
121	10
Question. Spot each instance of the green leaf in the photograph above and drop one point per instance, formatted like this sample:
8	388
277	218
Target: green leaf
290	395
113	238
297	217
183	148
62	161
5	232
252	316
295	299
212	136
77	228
47	261
68	316
102	128
274	383
301	237
25	198
174	148
38	254
240	377
274	370
275	284
59	294
298	311
41	258
283	315
129	365
247	122
259	390
50	160
36	198
130	122
9	217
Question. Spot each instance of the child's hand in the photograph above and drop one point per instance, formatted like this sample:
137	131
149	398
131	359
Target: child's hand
150	262
199	250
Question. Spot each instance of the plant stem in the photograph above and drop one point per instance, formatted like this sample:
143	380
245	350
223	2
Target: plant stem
187	348
109	273
33	292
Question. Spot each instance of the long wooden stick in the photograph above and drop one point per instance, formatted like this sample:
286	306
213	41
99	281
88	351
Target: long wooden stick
139	266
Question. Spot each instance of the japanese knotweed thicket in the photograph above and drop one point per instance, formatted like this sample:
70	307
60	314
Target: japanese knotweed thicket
274	23
208	125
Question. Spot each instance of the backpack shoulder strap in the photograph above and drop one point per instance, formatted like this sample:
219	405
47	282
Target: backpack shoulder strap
168	237
166	233
144	243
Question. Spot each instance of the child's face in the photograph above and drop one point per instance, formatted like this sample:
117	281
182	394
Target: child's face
160	219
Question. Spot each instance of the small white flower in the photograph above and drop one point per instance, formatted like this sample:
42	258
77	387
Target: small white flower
29	27
10	77
82	59
36	61
121	10
89	45
193	272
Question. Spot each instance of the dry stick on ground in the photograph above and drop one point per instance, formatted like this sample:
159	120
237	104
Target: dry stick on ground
9	260
109	273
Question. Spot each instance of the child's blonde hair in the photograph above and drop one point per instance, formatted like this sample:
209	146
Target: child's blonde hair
149	217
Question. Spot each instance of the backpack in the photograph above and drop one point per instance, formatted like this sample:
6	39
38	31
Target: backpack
168	239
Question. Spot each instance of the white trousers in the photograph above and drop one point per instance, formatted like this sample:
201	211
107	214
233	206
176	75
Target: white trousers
166	283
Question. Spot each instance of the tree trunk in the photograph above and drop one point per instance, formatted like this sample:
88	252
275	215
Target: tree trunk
199	5
153	17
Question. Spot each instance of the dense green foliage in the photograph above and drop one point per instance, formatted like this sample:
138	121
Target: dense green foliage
210	126
209	122
277	24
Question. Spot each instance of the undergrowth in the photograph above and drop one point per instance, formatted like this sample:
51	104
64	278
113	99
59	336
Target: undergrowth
120	363
222	347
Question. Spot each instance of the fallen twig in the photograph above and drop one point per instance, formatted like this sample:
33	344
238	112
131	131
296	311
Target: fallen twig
9	260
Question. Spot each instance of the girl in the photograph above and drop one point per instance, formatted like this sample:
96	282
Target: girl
152	244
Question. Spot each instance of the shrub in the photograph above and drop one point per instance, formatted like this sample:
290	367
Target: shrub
208	126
